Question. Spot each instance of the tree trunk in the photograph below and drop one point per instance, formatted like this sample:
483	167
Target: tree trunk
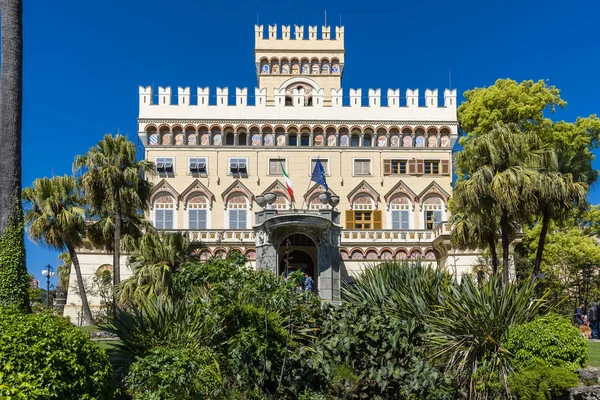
494	254
541	243
11	104
117	244
504	226
87	314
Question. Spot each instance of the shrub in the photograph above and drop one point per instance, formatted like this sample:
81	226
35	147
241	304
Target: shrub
550	339
174	373
46	357
541	382
14	280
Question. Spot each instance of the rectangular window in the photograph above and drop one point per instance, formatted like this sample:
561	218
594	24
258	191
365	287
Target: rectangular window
432	219
163	219
238	166
363	219
197	166
362	167
275	166
197	219
324	163
400	219
164	165
237	219
432	167
399	167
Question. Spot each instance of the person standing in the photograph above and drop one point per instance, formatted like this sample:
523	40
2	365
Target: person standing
592	313
309	284
579	315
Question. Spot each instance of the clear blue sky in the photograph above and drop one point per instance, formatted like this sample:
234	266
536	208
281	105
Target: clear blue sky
84	60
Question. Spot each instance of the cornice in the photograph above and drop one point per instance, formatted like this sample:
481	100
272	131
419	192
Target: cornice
291	122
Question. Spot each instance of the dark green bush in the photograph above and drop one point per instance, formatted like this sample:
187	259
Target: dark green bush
551	339
542	382
175	374
46	357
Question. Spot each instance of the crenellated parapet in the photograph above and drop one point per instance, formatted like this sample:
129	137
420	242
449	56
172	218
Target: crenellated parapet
298	35
296	97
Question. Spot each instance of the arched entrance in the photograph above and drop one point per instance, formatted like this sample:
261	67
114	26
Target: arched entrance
298	252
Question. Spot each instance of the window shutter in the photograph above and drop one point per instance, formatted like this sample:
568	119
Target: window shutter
233	219
445	167
349	219
437	215
420	167
201	219
193	219
404	220
159	219
377	219
412	166
387	167
396	219
168	219
427	213
242	219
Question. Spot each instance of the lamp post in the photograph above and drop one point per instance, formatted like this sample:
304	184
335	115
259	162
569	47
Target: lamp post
48	272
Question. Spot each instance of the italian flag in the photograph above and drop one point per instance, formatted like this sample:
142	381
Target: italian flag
288	183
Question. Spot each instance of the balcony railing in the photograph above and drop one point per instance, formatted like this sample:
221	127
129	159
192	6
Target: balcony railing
394	236
216	236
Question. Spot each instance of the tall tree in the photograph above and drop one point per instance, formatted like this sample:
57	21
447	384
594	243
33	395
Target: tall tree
114	182
500	169
14	284
54	216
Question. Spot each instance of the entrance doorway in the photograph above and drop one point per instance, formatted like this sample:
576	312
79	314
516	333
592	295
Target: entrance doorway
298	252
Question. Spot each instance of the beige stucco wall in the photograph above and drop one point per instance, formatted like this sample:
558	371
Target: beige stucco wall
341	179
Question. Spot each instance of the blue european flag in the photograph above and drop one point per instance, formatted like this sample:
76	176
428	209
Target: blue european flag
318	175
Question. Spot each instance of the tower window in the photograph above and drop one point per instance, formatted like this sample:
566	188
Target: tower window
293	140
304	140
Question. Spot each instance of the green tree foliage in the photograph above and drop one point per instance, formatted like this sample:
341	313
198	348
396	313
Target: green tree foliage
14	283
154	258
55	217
46	357
562	184
499	172
468	332
542	382
115	187
175	374
551	339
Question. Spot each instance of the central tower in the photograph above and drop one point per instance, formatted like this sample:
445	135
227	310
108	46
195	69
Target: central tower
308	64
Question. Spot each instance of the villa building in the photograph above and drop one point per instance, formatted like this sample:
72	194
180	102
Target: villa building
222	157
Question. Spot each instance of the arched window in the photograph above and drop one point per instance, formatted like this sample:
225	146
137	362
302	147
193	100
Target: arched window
304	139
364	214
293	139
229	139
197	210
164	212
243	139
433	212
354	141
289	101
400	213
237	212
367	141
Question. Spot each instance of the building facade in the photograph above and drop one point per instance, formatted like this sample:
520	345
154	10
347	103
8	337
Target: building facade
221	158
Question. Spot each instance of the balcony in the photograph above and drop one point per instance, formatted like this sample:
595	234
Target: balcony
219	236
390	236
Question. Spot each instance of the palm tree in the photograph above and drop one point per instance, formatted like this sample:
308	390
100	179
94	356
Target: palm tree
499	176
557	194
114	182
153	260
55	217
64	270
11	104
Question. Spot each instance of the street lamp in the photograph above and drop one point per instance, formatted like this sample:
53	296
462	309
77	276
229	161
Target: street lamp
48	272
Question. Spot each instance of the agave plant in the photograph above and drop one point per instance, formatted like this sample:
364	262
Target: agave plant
467	331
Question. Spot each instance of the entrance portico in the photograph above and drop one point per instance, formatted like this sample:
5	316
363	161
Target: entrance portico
311	240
